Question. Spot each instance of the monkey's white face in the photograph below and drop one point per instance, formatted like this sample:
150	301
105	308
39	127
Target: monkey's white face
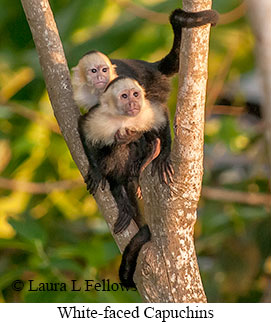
98	76
130	101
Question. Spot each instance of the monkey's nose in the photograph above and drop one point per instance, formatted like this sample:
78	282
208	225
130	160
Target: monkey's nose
132	105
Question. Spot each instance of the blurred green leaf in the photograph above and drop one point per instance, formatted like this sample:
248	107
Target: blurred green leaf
29	229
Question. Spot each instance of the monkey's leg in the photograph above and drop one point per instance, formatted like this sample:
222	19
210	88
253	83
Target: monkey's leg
93	179
125	207
162	164
154	152
132	191
130	254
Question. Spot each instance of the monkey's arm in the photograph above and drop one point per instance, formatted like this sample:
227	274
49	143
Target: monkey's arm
94	176
127	210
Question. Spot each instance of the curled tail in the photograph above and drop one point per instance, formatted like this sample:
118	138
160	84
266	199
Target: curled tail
179	19
130	254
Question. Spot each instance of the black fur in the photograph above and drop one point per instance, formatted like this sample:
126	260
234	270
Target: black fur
130	254
120	165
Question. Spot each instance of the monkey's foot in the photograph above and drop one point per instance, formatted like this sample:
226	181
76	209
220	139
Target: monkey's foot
123	220
92	180
164	169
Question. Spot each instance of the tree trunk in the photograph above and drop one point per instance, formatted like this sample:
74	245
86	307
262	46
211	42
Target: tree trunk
167	269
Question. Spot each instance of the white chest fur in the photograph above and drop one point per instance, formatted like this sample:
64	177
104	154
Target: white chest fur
101	125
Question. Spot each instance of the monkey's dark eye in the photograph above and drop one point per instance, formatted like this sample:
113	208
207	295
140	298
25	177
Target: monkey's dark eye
94	70
124	96
136	94
104	69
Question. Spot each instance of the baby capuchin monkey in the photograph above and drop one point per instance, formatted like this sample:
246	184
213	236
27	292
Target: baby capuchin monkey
95	69
90	77
123	107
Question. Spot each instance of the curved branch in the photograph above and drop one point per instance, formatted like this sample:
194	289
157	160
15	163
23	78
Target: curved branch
141	12
233	15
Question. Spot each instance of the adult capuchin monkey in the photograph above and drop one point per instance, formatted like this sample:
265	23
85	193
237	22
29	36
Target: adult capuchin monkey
123	107
94	71
90	77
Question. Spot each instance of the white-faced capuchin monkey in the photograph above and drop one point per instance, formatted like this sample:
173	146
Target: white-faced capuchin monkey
153	77
123	107
90	77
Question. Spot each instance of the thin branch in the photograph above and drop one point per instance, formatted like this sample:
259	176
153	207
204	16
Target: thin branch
228	110
248	198
210	193
32	115
233	15
39	188
141	12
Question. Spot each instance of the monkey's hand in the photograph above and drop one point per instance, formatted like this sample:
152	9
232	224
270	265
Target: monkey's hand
93	179
126	136
163	166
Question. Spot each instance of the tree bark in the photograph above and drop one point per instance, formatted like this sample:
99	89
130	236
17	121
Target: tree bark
167	268
170	271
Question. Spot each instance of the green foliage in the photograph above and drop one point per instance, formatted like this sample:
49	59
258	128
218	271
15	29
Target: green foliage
59	236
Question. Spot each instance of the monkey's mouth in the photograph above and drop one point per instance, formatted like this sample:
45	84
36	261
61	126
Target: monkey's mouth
100	84
133	111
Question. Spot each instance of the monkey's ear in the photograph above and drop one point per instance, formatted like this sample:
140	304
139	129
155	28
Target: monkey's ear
77	78
114	73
